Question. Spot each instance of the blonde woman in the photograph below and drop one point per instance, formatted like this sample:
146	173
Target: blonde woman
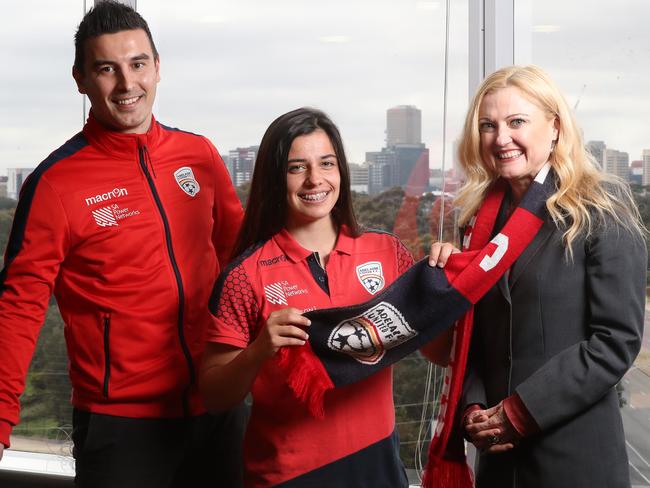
557	333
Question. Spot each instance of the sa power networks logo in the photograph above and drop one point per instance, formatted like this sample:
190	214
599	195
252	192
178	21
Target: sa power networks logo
278	293
186	180
368	336
104	217
371	276
110	215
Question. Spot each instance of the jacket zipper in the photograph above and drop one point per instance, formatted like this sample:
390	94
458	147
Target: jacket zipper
107	354
179	283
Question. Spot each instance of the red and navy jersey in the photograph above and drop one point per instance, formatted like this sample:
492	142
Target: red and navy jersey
129	231
356	444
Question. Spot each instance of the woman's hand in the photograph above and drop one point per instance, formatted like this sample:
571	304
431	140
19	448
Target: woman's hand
283	328
440	252
490	430
228	372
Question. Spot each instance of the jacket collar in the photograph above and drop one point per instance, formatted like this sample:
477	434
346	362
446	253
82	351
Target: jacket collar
118	145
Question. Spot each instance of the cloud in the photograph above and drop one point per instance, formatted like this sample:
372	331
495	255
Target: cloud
229	68
335	39
548	28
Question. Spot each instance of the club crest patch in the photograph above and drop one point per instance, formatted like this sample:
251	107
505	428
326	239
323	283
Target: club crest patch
371	276
368	336
185	179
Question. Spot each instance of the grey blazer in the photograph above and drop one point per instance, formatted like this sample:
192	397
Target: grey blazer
561	334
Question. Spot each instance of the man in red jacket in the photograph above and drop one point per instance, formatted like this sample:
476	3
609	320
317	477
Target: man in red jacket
128	224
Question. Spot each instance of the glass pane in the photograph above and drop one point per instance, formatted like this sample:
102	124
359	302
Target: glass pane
228	69
40	109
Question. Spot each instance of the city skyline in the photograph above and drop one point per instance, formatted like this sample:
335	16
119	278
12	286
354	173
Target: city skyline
229	69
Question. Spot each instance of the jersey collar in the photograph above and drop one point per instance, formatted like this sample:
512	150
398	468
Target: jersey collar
295	252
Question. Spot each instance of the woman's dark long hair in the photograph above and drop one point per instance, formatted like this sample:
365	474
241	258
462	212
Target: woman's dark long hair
266	209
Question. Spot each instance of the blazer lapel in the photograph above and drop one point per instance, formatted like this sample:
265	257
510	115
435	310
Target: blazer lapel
503	286
543	235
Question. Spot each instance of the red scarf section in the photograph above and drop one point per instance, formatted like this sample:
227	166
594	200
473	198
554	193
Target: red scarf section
446	466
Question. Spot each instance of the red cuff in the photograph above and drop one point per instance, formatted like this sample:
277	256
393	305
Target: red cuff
5	432
519	416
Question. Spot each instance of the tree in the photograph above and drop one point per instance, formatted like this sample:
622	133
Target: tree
46	410
6	219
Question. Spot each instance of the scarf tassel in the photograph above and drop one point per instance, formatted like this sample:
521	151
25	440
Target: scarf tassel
307	377
447	473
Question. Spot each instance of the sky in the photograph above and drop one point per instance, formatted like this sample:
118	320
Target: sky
230	67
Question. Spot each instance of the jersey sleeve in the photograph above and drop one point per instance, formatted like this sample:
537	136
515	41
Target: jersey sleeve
38	244
234	307
404	257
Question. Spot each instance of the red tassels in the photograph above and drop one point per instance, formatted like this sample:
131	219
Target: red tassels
445	473
306	376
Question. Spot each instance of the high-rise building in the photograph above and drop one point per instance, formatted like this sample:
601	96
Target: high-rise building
359	177
403	125
15	179
405	159
597	150
241	162
405	165
381	166
617	163
646	167
636	172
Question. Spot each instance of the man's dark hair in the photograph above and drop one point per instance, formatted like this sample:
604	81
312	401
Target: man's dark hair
266	210
107	17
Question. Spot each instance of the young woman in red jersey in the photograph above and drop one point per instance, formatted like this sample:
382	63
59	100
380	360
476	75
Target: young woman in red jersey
300	248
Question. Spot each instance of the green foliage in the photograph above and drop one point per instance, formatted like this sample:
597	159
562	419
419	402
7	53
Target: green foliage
46	399
7	203
6	219
379	211
242	192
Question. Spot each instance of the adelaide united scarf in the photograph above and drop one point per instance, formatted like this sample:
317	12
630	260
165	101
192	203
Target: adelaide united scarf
348	344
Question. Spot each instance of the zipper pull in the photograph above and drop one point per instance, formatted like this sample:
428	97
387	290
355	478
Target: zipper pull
146	159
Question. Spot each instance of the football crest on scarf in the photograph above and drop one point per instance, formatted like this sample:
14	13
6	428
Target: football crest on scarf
185	179
368	336
371	276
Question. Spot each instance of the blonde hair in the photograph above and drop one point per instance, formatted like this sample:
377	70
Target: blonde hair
582	187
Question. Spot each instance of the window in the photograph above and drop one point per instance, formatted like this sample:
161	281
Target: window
39	110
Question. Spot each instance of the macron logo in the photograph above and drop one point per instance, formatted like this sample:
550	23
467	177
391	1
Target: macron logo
104	217
103	197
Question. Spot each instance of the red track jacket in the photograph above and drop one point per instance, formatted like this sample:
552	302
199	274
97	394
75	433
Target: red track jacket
129	231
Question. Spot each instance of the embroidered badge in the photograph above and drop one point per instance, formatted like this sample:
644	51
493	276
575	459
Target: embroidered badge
368	336
371	276
185	179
